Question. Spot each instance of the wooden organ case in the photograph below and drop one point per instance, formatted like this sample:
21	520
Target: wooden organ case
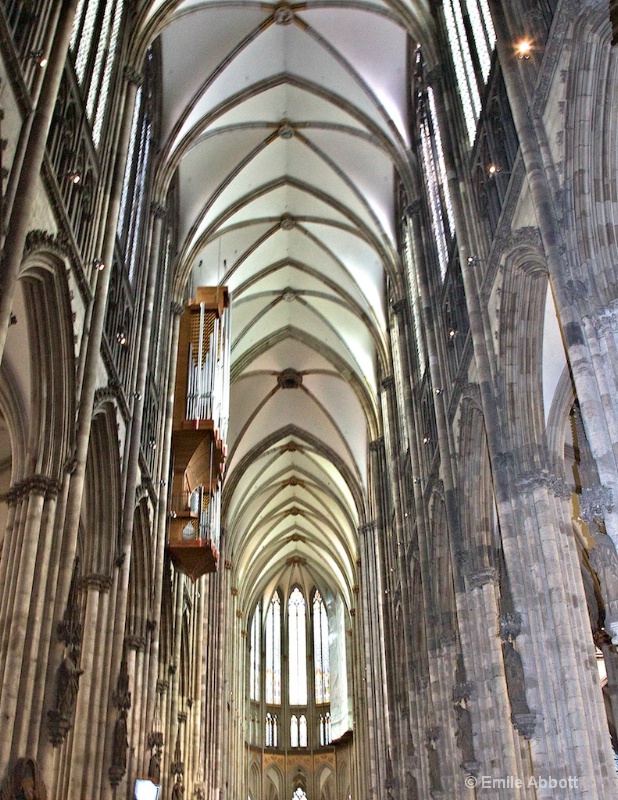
201	407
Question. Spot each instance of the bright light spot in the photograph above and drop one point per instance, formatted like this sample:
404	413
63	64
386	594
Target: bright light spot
523	48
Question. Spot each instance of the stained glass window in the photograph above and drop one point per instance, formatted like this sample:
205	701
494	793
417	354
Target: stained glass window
293	703
324	729
434	169
320	650
472	39
415	297
254	691
293	731
297	628
94	45
273	651
134	195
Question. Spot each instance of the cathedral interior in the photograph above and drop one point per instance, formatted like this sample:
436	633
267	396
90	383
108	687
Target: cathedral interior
308	399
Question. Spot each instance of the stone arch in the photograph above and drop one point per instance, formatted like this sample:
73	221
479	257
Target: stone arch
522	316
590	155
13	437
325	784
273	783
442	588
299	779
475	491
254	782
52	355
140	574
166	634
102	493
184	685
343	779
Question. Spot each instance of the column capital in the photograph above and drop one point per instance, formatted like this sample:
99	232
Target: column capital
98	582
34	484
480	577
158	210
376	444
510	625
132	74
594	503
399	306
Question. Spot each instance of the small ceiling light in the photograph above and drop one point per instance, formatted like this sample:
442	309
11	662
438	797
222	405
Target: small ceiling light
439	392
121	337
492	169
39	58
452	333
523	48
74	176
426	439
98	264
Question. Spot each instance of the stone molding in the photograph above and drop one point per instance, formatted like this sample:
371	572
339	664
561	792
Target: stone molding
604	320
133	75
510	625
527	236
283	14
594	503
529	482
525	724
35	484
399	306
158	210
137	643
98	582
479	578
38	239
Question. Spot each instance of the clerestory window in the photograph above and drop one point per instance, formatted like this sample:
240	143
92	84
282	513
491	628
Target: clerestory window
94	47
472	40
294	704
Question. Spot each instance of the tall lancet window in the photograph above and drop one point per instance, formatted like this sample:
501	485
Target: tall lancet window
297	628
299	794
293	704
320	650
254	681
94	46
273	651
472	39
133	200
434	169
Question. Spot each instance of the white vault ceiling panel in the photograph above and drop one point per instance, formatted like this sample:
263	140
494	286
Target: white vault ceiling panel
287	129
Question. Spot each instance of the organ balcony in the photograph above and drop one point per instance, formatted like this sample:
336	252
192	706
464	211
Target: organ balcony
201	405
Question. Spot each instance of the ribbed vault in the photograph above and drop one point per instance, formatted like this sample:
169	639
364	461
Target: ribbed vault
287	127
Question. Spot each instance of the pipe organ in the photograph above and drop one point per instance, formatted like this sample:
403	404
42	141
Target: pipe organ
199	432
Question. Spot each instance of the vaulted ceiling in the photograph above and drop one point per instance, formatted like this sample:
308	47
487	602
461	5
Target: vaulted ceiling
287	126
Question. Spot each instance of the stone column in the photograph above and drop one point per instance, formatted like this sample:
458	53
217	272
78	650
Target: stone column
486	693
160	532
86	717
601	425
37	498
91	716
59	587
28	182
